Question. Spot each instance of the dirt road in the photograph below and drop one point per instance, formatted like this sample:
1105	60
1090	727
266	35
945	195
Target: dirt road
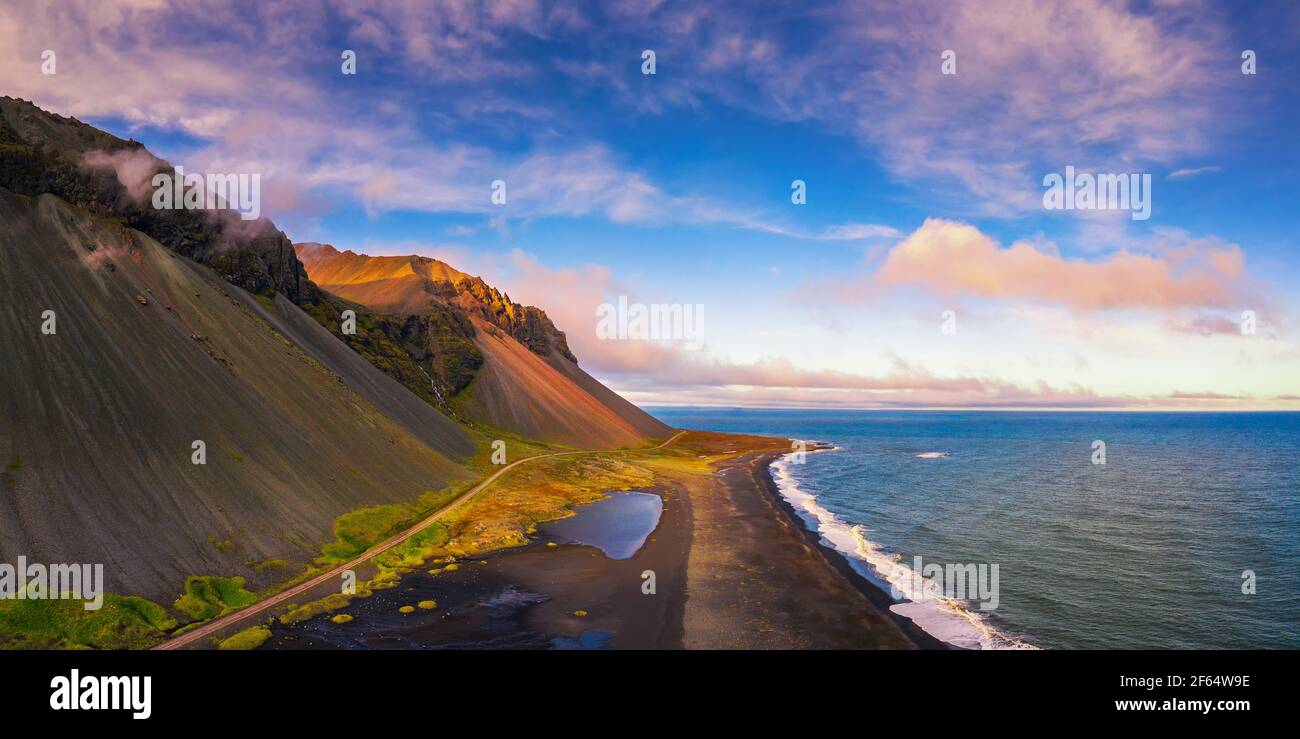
222	622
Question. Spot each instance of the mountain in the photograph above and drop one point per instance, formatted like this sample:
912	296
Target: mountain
522	378
130	333
151	352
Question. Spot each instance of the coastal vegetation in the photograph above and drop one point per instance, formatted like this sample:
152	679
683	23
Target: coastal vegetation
207	597
504	516
250	638
124	622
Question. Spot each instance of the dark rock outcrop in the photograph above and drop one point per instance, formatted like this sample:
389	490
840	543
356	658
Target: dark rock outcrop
45	153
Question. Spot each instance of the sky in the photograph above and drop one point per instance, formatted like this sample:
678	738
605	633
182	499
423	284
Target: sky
923	268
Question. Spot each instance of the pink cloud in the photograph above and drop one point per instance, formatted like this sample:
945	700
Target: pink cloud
952	259
1180	395
1205	325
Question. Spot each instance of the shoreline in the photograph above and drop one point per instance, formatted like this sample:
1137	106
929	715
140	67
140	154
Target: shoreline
760	580
939	619
734	564
838	561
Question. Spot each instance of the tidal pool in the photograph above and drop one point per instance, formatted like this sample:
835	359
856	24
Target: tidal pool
617	525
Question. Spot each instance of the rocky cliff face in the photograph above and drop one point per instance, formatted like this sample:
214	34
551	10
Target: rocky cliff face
491	361
414	284
529	326
432	353
425	307
44	153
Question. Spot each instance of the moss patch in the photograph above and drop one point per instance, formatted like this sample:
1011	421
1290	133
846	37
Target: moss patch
329	603
225	546
250	638
357	531
124	622
207	596
266	565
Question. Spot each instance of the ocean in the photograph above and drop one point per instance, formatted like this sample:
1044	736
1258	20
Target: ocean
1187	537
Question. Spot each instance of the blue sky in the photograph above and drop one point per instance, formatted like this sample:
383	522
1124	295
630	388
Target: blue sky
924	189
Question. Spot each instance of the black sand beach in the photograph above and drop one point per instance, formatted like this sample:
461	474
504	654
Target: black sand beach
734	568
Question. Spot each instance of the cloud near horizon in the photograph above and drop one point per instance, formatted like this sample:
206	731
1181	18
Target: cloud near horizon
570	296
948	258
651	371
666	372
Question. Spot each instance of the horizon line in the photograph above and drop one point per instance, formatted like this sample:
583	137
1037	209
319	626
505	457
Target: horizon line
982	409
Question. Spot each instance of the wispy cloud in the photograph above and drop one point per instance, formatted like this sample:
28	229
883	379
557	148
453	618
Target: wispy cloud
303	134
1185	174
838	232
1038	84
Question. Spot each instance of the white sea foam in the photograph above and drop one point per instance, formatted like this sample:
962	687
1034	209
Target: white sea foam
931	455
941	617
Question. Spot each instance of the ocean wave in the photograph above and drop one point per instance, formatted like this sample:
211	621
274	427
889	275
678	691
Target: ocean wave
944	618
931	455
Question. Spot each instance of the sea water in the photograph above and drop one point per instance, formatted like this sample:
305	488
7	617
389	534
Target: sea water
1188	536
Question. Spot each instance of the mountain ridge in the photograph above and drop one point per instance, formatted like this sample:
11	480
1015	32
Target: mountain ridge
524	377
412	283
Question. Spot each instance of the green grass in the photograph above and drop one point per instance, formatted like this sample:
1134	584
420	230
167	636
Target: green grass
124	622
357	531
209	596
266	565
250	638
223	545
413	552
331	602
